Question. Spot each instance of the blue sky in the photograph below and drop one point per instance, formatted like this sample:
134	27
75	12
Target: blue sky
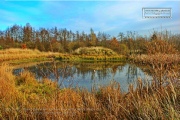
110	17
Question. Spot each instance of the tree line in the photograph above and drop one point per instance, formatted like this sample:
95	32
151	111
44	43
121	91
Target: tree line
65	41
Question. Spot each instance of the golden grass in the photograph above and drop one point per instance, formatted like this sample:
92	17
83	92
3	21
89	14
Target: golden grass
19	54
16	55
24	97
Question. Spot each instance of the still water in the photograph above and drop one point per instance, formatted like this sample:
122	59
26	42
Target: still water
87	74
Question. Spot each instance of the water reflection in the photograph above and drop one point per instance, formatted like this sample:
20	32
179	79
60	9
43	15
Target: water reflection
86	74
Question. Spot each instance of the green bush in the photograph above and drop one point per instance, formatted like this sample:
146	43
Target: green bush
1	47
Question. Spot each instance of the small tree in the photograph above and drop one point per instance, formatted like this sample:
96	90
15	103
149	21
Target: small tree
1	47
23	46
114	45
154	37
124	49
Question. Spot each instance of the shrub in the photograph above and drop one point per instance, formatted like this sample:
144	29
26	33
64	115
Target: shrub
23	46
1	47
160	46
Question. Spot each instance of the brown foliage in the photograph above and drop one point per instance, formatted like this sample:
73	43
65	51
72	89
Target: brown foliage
23	46
160	46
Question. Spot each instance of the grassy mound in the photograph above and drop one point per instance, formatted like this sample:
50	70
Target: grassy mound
92	54
94	51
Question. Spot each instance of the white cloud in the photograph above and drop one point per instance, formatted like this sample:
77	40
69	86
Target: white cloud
109	17
124	16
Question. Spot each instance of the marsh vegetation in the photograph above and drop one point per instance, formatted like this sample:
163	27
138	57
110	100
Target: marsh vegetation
25	97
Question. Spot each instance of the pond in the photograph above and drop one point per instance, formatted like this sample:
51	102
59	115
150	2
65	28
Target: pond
87	74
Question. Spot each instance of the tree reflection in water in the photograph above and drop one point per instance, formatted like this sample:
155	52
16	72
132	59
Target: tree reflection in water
85	74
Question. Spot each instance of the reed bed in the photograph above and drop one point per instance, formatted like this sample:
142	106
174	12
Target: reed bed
161	58
24	97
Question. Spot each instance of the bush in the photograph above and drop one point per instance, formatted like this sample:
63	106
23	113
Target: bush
1	47
160	46
23	46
